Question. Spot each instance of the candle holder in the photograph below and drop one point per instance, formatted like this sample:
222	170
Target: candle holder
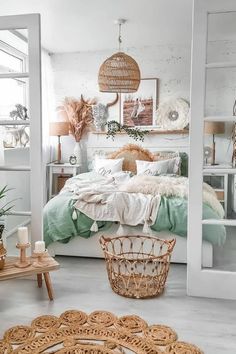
40	262
24	262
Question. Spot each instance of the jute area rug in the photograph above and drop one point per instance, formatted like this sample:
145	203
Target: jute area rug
75	332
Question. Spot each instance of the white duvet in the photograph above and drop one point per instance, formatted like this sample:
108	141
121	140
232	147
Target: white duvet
132	201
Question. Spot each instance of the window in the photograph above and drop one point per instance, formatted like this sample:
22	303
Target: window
13	91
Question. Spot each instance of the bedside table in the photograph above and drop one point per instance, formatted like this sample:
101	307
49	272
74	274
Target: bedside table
56	170
219	181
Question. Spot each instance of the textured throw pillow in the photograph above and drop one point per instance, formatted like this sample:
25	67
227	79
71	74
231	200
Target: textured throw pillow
156	168
108	166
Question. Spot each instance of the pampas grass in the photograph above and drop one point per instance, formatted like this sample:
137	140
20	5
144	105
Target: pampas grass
78	114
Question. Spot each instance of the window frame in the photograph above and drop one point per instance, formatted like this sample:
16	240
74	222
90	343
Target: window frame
14	52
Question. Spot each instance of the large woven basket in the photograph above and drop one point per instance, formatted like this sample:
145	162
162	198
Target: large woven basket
137	266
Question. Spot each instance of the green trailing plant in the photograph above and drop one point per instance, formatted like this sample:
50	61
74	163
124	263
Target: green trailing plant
114	127
5	208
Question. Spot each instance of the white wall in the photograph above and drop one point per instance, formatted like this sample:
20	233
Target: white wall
76	73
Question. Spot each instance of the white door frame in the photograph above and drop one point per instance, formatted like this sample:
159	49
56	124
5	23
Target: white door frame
32	23
203	282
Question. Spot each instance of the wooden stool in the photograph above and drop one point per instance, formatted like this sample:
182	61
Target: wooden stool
12	272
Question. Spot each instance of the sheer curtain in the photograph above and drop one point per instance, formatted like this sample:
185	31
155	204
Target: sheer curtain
48	108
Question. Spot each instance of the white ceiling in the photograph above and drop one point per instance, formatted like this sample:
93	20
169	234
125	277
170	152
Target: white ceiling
84	25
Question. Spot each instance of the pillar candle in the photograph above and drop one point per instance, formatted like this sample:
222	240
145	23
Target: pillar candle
23	236
39	247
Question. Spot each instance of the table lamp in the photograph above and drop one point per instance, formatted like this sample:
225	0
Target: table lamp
214	128
59	129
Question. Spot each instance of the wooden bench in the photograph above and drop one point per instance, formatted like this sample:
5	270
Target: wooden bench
10	271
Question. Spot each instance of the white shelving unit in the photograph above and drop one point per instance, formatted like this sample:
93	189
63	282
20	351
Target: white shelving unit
222	191
30	22
204	282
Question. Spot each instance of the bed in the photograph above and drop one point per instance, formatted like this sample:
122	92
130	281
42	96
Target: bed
74	230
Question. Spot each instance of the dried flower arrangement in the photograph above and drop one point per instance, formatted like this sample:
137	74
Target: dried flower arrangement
79	115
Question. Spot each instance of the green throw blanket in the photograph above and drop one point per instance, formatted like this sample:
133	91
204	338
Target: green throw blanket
172	216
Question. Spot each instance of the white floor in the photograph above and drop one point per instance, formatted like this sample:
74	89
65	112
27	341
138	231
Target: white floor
82	284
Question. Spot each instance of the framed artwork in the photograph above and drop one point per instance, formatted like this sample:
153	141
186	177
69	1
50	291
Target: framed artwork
138	108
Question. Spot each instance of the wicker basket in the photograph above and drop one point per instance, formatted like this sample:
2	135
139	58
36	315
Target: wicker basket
137	266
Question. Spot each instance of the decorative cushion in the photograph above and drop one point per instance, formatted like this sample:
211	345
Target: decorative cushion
108	166
155	168
130	153
164	155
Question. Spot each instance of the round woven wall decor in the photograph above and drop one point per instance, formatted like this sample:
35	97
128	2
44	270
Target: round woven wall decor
101	332
173	114
119	73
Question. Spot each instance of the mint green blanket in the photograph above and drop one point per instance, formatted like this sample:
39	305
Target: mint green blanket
172	216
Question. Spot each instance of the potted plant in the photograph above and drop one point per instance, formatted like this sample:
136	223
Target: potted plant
114	127
3	211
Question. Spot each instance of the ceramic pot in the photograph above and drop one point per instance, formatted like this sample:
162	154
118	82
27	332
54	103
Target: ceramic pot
78	152
3	251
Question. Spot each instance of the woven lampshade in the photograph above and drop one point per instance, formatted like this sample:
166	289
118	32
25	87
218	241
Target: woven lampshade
58	128
214	127
119	73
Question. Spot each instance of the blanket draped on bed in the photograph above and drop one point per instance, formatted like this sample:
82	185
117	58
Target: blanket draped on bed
164	211
107	203
134	202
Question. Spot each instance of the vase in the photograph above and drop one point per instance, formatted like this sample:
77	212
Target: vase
3	251
78	152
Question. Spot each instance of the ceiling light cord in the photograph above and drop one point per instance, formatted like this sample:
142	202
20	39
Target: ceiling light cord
119	38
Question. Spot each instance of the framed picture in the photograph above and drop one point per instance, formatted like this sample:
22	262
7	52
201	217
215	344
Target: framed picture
138	108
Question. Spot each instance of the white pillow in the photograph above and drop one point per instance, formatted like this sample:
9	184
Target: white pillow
156	168
108	166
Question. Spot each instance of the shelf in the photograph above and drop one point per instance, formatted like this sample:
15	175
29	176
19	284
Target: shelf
15	168
226	222
226	64
14	75
219	171
14	122
220	119
158	132
62	165
19	213
16	148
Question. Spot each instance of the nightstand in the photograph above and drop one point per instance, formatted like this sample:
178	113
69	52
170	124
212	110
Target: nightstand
219	181
65	170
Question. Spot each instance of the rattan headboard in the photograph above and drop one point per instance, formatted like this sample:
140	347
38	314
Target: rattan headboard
131	153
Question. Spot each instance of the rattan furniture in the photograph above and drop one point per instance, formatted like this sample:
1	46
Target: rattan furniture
10	271
137	266
100	332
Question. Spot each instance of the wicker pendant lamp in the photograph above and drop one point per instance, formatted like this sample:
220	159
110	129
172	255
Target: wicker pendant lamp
120	72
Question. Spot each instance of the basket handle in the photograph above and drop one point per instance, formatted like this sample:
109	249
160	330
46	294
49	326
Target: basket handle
171	244
103	241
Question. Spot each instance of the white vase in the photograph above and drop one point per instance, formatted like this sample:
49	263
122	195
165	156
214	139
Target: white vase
78	152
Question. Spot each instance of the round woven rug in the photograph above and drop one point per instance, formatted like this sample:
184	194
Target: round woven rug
101	332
